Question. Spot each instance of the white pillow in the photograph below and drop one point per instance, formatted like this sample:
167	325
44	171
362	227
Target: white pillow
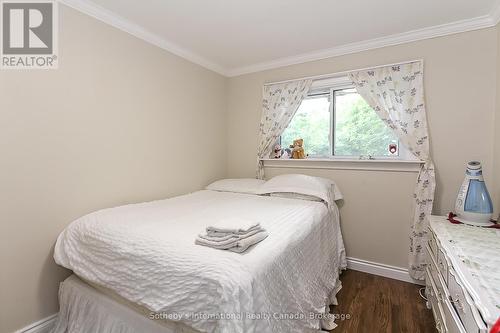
317	187
241	185
295	196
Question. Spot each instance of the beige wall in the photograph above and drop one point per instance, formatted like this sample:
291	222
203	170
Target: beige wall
120	121
460	83
496	187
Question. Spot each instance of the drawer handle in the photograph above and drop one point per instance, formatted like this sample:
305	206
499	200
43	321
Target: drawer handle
439	327
458	304
439	295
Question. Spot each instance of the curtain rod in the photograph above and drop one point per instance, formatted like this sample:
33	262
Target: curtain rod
343	73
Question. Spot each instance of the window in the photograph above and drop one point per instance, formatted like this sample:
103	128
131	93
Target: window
311	123
334	120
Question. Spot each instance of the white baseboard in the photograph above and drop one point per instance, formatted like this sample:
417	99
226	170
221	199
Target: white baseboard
393	272
44	325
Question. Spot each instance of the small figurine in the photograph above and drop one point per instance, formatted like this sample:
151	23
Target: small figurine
277	151
393	148
297	149
287	153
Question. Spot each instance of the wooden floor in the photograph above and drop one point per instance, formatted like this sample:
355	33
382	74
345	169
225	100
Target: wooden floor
377	305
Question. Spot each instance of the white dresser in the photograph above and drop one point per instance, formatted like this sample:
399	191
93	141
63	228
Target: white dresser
463	276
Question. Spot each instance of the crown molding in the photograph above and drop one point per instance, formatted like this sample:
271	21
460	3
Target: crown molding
481	22
495	13
109	17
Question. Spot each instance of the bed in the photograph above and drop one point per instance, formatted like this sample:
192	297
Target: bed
141	260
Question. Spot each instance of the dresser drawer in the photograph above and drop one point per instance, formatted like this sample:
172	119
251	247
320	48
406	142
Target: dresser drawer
432	243
436	275
433	301
464	306
442	264
463	267
453	323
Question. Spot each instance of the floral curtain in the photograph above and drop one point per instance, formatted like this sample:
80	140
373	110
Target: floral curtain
279	104
396	93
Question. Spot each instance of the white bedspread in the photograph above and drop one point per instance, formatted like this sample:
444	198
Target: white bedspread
146	254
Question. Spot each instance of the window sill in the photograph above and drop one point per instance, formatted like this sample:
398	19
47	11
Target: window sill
345	164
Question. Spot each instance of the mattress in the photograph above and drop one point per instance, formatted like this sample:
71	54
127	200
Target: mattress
146	254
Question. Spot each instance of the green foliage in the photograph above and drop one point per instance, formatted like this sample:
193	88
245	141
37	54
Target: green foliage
311	123
358	129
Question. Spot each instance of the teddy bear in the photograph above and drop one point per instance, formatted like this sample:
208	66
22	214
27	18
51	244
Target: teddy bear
297	149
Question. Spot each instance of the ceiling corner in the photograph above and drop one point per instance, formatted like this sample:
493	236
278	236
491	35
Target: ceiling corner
121	23
495	13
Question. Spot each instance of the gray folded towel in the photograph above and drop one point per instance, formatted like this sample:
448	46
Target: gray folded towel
222	238
244	244
215	234
233	234
232	226
238	245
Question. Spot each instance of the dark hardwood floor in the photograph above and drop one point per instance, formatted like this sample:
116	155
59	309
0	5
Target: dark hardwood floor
377	305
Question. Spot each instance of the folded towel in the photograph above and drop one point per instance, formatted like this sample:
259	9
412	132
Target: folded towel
232	226
229	239
214	234
237	245
244	244
217	236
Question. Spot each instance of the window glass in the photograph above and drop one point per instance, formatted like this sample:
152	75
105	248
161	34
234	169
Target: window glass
358	130
347	128
311	123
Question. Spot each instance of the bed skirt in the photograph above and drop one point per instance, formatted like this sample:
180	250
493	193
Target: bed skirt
84	309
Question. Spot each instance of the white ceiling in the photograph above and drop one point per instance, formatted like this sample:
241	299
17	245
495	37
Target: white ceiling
236	36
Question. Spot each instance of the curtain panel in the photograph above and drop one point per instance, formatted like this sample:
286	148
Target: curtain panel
396	93
279	104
